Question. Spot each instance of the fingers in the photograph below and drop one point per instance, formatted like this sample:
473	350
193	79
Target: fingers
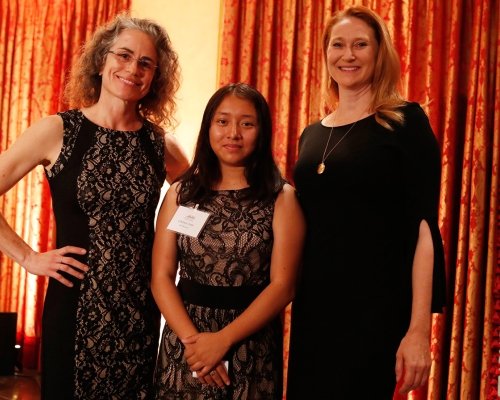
68	265
414	377
216	377
70	260
222	372
202	380
399	367
61	262
190	340
188	353
72	250
408	381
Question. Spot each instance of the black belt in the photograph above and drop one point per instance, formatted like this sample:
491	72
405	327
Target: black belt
224	297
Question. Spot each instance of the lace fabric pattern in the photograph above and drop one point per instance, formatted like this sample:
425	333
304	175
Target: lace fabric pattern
117	320
233	249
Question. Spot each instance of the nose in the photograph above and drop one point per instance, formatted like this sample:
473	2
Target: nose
348	54
234	131
133	67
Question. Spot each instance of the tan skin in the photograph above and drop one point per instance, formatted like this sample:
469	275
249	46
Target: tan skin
232	136
351	61
41	143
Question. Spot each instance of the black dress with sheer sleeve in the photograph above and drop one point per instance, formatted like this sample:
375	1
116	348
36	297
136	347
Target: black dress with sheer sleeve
100	337
353	303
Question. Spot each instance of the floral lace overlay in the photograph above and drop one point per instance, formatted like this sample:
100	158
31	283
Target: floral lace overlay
118	190
233	249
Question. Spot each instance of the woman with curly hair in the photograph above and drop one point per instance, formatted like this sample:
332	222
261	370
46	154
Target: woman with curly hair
106	161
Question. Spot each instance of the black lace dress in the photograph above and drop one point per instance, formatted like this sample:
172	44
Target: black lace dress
99	338
232	250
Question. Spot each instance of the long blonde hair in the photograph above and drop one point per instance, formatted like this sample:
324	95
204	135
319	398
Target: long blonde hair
386	98
84	86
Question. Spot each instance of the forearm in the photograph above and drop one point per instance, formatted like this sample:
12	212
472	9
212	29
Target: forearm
422	281
172	307
12	245
261	311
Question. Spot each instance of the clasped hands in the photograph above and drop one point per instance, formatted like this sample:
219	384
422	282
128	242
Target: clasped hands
204	353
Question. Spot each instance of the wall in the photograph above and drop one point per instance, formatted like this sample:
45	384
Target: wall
193	27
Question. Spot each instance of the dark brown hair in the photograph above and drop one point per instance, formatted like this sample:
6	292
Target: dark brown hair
261	171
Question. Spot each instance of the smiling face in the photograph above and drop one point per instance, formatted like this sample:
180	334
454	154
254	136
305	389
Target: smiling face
233	131
123	77
352	53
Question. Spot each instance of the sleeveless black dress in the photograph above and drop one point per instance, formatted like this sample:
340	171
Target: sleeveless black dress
226	263
99	338
353	303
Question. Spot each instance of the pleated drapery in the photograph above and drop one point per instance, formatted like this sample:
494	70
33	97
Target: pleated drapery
39	40
450	59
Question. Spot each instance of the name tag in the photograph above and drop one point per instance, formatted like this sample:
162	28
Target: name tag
188	221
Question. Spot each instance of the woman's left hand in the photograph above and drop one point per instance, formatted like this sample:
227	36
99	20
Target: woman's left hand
414	359
204	351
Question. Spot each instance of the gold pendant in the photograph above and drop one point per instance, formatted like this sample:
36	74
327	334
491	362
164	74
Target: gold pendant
321	168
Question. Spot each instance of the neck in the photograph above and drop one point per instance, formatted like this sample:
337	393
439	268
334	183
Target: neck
118	115
233	178
353	105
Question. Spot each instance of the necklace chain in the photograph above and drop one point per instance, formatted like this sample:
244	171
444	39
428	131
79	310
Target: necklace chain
321	166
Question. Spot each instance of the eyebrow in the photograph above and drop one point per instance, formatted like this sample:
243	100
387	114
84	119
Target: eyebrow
224	113
358	38
131	51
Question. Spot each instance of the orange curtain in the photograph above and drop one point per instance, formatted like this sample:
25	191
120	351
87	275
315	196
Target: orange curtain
39	40
450	59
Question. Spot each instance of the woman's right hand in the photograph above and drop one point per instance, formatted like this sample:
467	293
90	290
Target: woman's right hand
54	261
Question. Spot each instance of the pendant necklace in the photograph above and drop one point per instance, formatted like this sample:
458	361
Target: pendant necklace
321	166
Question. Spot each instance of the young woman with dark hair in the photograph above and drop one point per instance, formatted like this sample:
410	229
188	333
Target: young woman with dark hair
239	271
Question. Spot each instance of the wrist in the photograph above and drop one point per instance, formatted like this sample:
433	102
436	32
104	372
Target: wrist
27	258
420	330
226	337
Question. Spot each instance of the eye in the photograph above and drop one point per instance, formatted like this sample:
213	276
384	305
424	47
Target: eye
248	124
361	44
221	121
336	44
124	56
146	64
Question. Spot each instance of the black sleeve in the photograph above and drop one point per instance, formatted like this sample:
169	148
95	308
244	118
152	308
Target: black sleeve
421	161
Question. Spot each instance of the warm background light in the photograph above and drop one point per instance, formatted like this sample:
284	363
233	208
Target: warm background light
193	27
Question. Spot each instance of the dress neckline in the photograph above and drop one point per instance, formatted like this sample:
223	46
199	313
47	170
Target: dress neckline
229	190
110	129
350	123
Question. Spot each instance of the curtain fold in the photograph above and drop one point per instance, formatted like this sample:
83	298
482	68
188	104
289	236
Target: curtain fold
39	40
451	65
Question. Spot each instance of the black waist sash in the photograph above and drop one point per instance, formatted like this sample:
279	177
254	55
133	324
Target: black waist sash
223	297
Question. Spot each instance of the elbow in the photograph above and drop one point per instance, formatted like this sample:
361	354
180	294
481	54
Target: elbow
289	295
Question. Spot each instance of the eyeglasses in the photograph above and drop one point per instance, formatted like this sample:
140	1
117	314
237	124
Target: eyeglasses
126	59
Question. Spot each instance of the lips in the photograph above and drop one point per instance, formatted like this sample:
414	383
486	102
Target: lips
127	82
232	147
349	68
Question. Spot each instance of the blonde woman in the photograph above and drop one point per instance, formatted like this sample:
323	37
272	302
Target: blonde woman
368	176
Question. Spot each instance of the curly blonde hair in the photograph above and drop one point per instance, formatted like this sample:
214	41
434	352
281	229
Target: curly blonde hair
387	98
84	86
